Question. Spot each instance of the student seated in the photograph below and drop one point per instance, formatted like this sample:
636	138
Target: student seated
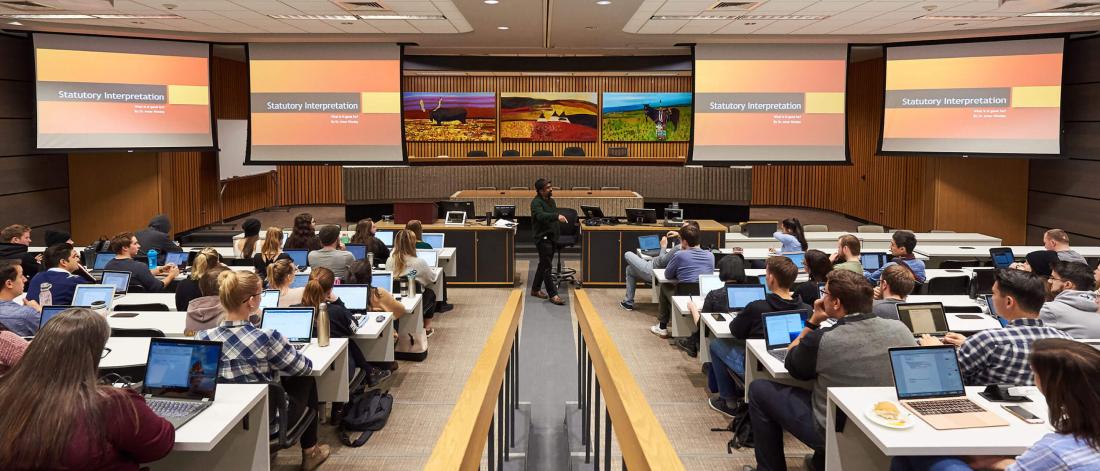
318	292
332	254
280	275
381	300
640	269
902	244
1065	372
818	267
270	251
155	236
417	228
61	261
999	356
791	237
1038	262
404	261
303	236
685	267
895	285
851	353
846	256
23	319
1058	241
12	347
65	418
205	312
125	246
364	234
15	241
246	246
727	356
731	271
188	288
252	355
1073	309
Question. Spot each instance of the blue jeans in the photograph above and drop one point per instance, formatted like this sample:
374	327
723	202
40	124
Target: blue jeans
726	355
636	269
775	407
928	463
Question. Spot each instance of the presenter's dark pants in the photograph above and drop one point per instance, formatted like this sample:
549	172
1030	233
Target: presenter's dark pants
545	247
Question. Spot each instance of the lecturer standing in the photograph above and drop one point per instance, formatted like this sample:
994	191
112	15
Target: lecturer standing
544	222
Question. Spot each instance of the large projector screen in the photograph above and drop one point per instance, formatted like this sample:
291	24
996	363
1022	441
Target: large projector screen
993	97
325	103
770	103
98	93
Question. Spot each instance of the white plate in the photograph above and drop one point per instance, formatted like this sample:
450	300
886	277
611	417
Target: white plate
904	421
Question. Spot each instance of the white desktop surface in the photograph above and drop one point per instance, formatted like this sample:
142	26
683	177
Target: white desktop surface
167	299
372	329
231	403
172	323
761	253
982	251
871	241
218	438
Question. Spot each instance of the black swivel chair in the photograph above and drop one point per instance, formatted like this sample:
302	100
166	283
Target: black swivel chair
510	153
957	264
543	153
948	285
156	307
279	410
573	152
136	332
477	153
569	236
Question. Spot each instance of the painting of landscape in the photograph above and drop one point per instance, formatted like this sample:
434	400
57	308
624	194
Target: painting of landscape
450	117
548	117
647	117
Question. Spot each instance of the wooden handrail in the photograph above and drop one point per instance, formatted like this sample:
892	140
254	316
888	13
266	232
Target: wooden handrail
464	437
642	440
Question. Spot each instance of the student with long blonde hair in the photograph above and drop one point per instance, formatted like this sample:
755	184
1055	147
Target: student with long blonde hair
57	415
253	355
188	288
280	275
403	261
270	251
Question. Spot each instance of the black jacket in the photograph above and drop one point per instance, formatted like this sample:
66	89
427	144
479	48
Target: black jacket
9	251
156	237
749	324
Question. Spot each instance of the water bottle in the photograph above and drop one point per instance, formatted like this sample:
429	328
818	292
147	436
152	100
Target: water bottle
152	254
45	298
370	259
323	326
410	286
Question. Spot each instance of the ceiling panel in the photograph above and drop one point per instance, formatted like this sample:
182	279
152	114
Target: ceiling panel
703	26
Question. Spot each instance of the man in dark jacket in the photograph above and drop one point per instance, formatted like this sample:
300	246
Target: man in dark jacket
156	237
544	223
14	242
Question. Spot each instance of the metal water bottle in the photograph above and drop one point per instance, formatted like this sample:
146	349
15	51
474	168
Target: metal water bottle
322	326
370	259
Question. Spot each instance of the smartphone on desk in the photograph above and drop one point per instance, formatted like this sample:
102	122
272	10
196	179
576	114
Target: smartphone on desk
1023	414
718	317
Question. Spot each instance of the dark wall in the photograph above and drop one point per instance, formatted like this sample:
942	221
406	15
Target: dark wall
1066	193
34	188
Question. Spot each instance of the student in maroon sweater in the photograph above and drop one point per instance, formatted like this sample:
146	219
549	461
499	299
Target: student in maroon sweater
76	423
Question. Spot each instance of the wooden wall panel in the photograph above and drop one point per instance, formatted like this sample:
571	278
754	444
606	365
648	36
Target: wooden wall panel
982	195
112	192
597	84
310	184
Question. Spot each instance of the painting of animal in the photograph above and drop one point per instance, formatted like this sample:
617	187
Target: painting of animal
450	117
646	117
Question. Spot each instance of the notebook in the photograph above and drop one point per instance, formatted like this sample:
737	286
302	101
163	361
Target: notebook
740	296
94	296
299	256
434	239
928	382
356	298
650	245
119	279
359	251
294	323
781	328
431	257
923	318
181	377
269	298
101	259
48	312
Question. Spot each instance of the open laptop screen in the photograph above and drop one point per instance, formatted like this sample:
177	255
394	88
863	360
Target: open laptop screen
359	251
1002	257
741	295
649	242
871	261
781	328
921	372
294	323
385	236
799	259
299	256
119	279
708	283
354	296
434	239
431	257
300	280
185	369
48	312
269	298
101	259
923	318
178	259
382	280
89	295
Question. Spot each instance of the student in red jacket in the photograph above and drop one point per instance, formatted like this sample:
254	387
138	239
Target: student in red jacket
75	423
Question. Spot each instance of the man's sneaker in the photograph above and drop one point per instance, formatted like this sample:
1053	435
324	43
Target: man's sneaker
720	405
626	305
658	331
685	344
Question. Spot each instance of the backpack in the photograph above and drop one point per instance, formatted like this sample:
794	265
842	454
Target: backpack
367	413
741	427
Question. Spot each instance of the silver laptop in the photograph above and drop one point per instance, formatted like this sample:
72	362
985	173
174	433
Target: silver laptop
94	296
431	257
928	382
119	279
294	323
181	377
781	328
270	298
924	318
649	245
434	239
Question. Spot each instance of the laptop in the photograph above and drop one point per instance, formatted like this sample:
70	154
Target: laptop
299	256
119	279
764	282
181	377
382	279
359	251
300	280
431	257
781	328
294	323
799	260
872	261
356	298
929	384
708	283
178	259
1002	257
48	312
741	295
269	298
650	245
674	217
993	310
434	239
924	318
455	218
94	296
385	236
101	259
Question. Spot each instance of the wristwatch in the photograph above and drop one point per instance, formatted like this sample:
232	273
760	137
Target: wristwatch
811	325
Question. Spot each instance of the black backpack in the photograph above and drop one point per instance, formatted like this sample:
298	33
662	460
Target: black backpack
367	413
741	427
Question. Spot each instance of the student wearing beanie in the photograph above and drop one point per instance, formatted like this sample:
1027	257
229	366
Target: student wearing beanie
247	246
57	237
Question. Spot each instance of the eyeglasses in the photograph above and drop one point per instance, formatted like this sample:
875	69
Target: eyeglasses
106	351
821	291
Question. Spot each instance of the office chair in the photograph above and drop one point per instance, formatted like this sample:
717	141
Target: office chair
287	434
543	153
518	188
582	188
155	307
510	153
815	228
956	264
477	153
616	152
610	188
948	285
147	332
573	152
569	236
871	228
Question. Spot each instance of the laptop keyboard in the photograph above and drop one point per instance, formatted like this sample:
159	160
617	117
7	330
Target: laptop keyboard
172	409
946	406
780	355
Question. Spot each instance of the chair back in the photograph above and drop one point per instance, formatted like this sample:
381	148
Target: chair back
948	285
573	151
582	188
871	228
815	228
510	153
136	332
572	227
956	264
288	433
477	153
687	289
543	153
157	307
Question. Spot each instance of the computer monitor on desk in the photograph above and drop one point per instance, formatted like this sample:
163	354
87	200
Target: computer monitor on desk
592	212
504	211
641	215
385	236
463	206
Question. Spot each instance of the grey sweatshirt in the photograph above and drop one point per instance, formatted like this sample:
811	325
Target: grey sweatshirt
1073	312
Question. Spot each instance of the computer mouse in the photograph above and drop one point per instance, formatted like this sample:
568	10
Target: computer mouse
380	318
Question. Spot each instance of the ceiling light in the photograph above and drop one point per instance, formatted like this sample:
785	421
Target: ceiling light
693	17
960	17
402	17
502	28
315	17
492	2
1063	13
48	16
15	23
783	17
603	2
112	16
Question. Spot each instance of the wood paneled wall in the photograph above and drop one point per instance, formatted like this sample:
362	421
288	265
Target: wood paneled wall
34	187
597	84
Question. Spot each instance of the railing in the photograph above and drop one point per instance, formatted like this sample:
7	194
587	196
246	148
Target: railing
642	440
493	384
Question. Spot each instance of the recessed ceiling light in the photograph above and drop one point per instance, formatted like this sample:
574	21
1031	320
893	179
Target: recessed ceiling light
693	17
783	17
502	28
48	16
111	16
15	23
739	17
315	17
402	17
960	17
1063	13
603	2
492	2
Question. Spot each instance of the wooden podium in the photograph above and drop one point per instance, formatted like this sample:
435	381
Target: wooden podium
404	212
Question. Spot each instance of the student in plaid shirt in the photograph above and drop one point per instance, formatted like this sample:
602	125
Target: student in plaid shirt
251	355
999	356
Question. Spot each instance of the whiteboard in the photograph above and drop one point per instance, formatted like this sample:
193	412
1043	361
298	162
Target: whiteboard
232	142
